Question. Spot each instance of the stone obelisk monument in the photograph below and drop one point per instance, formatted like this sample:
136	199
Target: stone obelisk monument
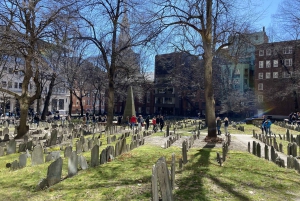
129	107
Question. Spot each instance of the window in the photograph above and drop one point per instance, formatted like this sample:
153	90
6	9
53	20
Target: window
260	76
20	85
288	62
4	84
275	74
268	75
261	64
268	52
286	74
260	86
287	50
16	85
9	84
4	68
268	64
261	52
260	98
275	63
10	70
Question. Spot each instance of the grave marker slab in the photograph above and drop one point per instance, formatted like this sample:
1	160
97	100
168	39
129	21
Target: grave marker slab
22	160
54	172
72	164
11	147
37	156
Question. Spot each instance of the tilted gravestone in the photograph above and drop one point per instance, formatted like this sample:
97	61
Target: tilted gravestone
54	172
82	162
11	147
37	156
72	164
29	145
6	137
85	147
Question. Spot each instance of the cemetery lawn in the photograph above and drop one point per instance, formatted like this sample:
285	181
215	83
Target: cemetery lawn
243	176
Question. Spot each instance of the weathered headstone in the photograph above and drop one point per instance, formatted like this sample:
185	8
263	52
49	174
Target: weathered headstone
22	147
95	156
54	172
103	157
14	165
73	164
22	160
78	147
1	151
53	138
11	147
5	131
82	162
68	152
184	152
37	155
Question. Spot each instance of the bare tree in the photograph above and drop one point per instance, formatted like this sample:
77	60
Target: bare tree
130	19
24	26
205	25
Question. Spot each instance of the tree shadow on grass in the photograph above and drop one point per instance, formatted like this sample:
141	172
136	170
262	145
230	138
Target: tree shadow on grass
191	187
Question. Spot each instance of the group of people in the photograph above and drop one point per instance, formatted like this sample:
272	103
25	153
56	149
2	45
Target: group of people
294	117
157	122
219	123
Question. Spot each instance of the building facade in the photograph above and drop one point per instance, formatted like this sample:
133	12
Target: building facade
276	77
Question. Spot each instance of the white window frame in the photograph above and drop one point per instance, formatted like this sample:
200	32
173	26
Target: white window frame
260	76
268	75
288	62
275	74
261	52
261	64
288	50
268	52
268	64
260	98
275	63
260	86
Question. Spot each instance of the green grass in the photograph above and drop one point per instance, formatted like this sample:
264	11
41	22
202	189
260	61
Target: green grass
242	176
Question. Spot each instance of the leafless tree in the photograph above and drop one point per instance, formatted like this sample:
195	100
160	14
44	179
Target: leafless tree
25	28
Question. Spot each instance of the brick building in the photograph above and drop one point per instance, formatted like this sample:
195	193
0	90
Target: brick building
276	77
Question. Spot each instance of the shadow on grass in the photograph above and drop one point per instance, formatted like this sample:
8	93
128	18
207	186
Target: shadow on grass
191	187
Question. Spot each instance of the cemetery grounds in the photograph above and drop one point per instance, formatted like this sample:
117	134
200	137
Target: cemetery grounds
242	176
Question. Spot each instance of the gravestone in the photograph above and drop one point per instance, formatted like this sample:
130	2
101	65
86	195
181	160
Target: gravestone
6	137
29	145
95	156
1	151
78	147
54	172
68	152
85	147
184	152
11	147
14	165
82	140
37	156
22	147
72	164
103	157
5	131
82	162
53	138
52	156
22	160
91	144
266	152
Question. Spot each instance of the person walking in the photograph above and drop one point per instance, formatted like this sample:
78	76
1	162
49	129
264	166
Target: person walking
268	124
147	121
226	124
133	121
218	122
154	124
161	122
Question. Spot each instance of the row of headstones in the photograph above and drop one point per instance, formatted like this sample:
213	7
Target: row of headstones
107	155
256	150
163	182
239	127
288	126
269	141
225	149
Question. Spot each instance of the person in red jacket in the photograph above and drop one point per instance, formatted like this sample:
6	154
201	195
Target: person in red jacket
154	124
133	121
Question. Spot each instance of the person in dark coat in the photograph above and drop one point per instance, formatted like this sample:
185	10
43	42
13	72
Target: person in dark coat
161	122
219	123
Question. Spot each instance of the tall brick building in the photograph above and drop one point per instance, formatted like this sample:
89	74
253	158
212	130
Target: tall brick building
276	76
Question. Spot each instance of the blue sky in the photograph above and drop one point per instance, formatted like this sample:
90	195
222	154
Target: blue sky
269	7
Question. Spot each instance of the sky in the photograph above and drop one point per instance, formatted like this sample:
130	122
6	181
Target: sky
269	7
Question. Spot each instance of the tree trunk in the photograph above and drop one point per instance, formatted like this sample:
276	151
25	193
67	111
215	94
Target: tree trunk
110	104
81	106
71	103
48	97
23	128
208	57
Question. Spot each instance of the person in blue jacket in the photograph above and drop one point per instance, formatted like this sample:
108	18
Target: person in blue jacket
267	126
